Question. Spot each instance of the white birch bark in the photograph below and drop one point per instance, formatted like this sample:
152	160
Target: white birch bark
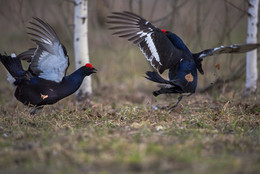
251	57
81	46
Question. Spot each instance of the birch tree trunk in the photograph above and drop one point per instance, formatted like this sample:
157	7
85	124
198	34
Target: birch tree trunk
81	46
251	57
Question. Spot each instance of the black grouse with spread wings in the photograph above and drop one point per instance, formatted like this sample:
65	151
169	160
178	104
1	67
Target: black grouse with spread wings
165	50
45	82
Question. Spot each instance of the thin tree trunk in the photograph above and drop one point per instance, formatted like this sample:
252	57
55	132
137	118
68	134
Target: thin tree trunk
251	57
81	46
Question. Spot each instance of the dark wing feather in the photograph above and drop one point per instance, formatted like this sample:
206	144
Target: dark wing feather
236	48
49	60
27	55
154	44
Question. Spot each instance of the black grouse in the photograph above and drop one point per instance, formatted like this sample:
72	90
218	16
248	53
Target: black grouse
165	50
44	82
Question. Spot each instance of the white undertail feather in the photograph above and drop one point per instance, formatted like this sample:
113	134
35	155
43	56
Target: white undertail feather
164	86
13	55
10	79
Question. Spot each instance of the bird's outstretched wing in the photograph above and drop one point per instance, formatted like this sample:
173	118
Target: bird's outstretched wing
27	55
236	48
153	42
49	60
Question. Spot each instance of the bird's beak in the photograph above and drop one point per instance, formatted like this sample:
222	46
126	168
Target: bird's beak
94	70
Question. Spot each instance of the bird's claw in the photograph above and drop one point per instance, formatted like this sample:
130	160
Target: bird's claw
34	110
176	104
171	108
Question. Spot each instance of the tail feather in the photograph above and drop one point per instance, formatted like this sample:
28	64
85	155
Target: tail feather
13	66
155	77
198	62
10	79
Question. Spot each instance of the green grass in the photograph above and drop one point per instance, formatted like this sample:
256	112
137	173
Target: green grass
200	137
217	132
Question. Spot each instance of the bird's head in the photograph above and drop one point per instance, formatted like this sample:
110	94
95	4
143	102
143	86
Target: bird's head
163	30
90	69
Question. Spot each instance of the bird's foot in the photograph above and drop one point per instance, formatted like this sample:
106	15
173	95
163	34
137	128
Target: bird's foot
35	110
171	108
168	108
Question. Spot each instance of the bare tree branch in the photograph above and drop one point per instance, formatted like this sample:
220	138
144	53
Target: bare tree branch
236	7
170	13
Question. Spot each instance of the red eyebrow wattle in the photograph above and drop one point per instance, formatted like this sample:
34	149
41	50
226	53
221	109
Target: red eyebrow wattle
89	65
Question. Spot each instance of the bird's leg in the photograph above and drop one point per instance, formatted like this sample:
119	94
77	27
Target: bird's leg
179	99
34	110
188	94
177	102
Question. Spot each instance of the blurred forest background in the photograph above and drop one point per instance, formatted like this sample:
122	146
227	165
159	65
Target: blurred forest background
201	24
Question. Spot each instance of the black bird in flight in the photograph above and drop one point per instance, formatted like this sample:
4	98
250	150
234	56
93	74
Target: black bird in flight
44	82
165	50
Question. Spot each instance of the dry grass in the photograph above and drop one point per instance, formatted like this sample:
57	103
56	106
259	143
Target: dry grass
119	132
122	134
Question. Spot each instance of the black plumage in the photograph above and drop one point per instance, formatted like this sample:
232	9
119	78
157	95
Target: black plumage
45	82
165	50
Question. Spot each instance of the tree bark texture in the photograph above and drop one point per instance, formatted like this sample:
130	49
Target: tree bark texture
251	57
81	46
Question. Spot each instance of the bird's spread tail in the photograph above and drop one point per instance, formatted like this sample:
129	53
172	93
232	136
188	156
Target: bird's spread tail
155	77
13	66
